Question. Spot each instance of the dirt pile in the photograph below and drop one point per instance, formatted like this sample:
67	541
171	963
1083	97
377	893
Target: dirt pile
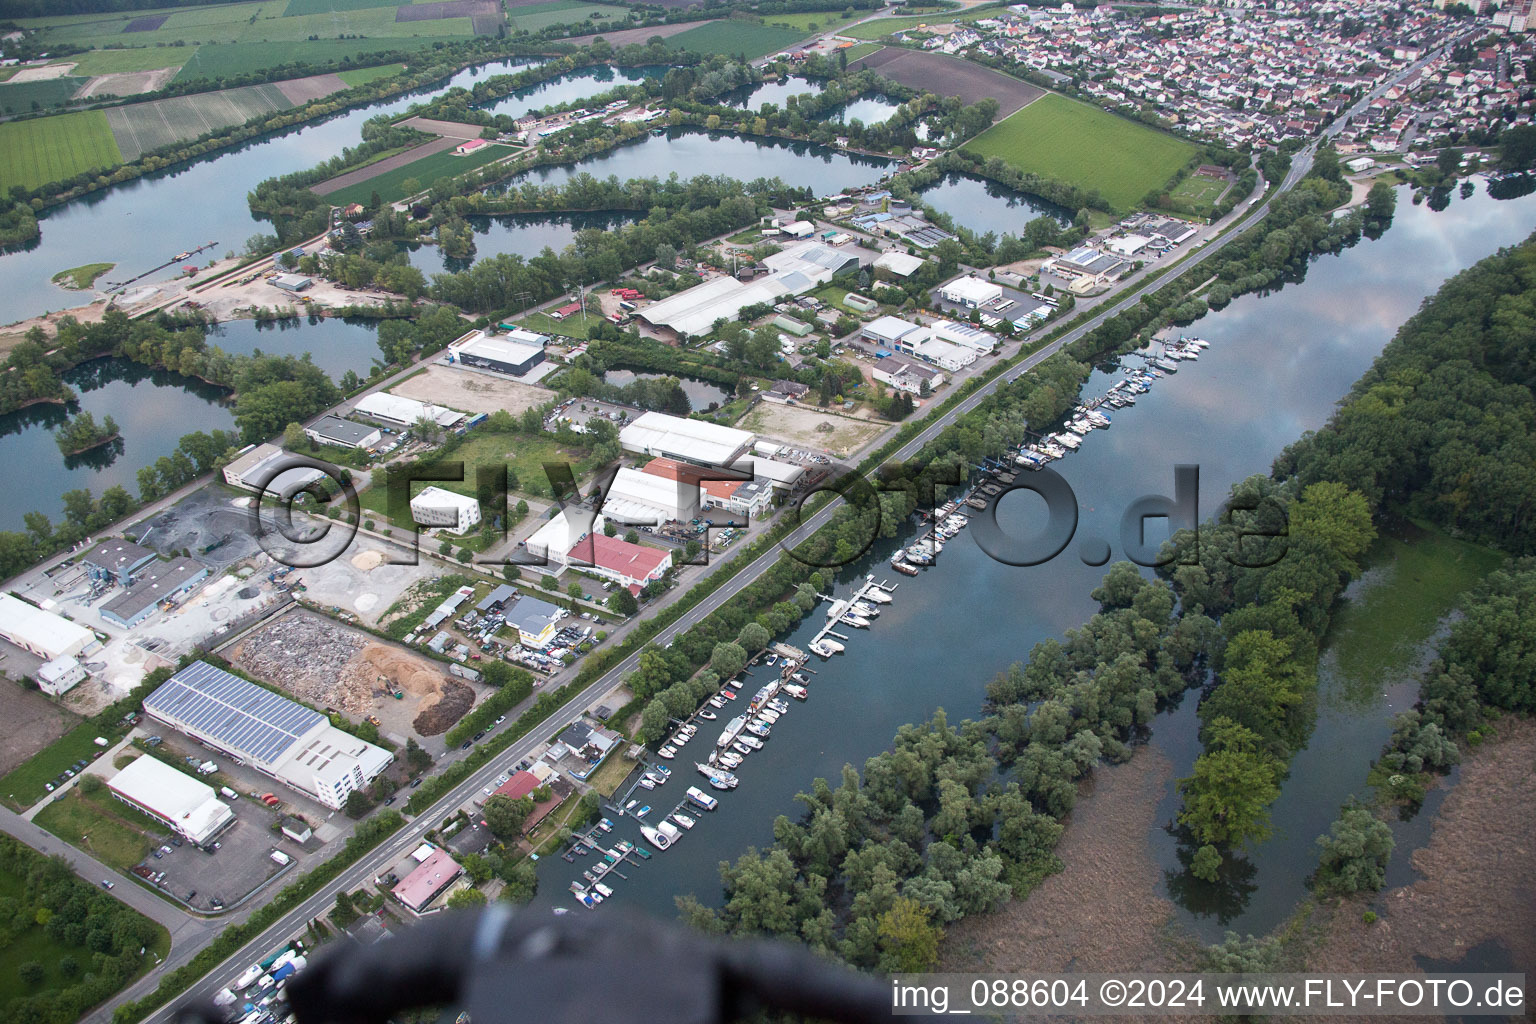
306	655
453	704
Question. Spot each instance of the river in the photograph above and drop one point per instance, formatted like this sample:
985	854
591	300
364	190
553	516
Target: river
1276	367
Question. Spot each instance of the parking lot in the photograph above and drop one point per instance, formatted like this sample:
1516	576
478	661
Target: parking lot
240	862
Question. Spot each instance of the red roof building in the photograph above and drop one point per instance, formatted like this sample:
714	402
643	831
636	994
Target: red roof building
570	309
471	146
631	565
682	472
423	885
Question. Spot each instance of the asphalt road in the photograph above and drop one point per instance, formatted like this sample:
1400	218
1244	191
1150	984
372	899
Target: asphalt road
379	861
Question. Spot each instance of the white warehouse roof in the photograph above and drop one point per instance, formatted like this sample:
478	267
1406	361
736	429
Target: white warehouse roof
556	537
638	497
900	263
709	444
42	633
972	290
188	805
794	270
438	497
397	409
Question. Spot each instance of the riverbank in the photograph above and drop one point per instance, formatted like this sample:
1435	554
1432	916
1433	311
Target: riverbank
1102	912
1477	882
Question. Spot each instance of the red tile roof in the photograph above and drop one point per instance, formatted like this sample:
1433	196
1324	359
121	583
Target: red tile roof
618	555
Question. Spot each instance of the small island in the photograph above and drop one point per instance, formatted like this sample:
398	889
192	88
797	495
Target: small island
83	433
81	278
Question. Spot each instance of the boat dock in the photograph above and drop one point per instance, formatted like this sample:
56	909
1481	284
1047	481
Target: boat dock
841	614
180	258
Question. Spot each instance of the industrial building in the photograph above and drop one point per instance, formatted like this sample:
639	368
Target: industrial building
281	738
155	584
435	871
59	676
900	264
397	411
445	510
686	440
116	560
793	271
258	462
1088	262
534	621
889	331
637	498
739	497
43	633
942	354
955	333
629	565
292	282
181	803
554	539
970	292
342	433
513	353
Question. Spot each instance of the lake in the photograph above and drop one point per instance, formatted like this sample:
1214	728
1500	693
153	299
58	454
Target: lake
984	206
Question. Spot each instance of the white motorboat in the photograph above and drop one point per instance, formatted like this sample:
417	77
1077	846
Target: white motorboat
1067	440
825	647
857	621
712	773
758	729
741	748
655	838
708	715
600	887
751	742
683	819
797	692
878	595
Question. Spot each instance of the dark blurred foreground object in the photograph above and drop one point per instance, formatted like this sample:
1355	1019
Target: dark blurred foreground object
508	967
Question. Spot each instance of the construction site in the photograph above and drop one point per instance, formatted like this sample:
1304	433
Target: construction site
337	668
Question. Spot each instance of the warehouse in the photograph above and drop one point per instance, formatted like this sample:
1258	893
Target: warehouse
117	560
342	433
1088	262
971	292
513	353
696	441
889	331
258	462
281	738
900	264
649	499
156	583
43	633
1130	245
444	509
973	338
550	542
435	872
173	798
534	621
749	498
782	475
293	282
404	412
794	271
943	354
629	565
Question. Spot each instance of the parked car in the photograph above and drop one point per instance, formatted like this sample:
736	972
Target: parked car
106	883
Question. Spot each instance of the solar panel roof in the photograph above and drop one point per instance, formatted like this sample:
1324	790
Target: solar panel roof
238	715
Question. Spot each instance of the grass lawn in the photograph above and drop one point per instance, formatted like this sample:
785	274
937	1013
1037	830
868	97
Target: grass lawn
141	58
24	786
428	170
82	277
751	236
610	773
1411	583
882	27
362	76
736	37
1062	139
522	455
1197	194
570	327
107	833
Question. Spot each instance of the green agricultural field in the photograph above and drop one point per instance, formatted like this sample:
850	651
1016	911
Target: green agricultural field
1197	194
1068	141
862	50
428	171
376	23
141	128
183	26
297	8
882	27
563	12
22	97
50	148
111	62
362	76
808	22
223	60
736	37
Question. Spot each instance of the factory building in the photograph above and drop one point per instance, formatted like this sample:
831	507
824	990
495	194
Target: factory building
152	586
629	565
257	462
637	498
552	541
342	433
281	738
397	411
117	560
181	803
